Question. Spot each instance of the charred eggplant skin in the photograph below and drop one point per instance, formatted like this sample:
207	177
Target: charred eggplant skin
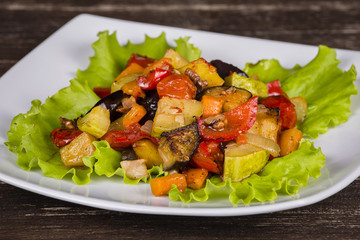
179	145
225	69
150	104
112	102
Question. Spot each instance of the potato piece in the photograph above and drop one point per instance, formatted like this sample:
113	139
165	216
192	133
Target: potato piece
177	60
81	146
96	122
147	150
206	72
267	123
135	169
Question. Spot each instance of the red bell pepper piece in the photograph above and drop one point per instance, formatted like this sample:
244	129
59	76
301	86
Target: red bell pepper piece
141	60
64	136
208	156
150	81
102	91
239	120
287	110
274	88
125	138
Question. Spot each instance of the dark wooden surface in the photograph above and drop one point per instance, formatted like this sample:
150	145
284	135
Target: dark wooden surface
25	24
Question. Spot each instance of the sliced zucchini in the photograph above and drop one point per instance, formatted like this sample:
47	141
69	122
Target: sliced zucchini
177	146
120	82
174	113
256	87
243	160
96	122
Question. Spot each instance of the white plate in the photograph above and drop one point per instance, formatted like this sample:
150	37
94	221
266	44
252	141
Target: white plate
54	62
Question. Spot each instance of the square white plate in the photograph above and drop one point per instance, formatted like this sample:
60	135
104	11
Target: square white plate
51	65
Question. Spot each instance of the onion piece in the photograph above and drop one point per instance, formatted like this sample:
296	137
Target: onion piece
264	143
300	108
147	127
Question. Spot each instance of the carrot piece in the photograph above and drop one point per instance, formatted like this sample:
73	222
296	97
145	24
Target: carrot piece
136	113
162	185
241	139
212	105
159	64
196	178
289	141
133	89
132	68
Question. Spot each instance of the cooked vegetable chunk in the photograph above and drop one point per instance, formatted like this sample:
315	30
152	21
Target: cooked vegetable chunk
196	178
121	81
225	69
256	87
135	169
177	60
267	123
81	146
96	122
243	160
289	141
162	185
206	72
178	146
147	150
232	96
174	113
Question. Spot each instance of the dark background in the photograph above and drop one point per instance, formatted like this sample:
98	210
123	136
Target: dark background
25	24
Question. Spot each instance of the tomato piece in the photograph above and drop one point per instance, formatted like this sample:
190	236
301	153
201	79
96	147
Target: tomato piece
287	110
239	120
140	60
176	86
102	91
150	81
274	88
125	138
208	156
64	136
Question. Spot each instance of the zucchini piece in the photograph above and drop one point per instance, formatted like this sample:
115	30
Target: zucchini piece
256	87
147	150
232	96
96	122
81	146
267	123
135	169
120	82
173	113
243	160
177	146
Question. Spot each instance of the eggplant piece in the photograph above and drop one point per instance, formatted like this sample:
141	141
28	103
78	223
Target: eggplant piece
112	102
178	146
225	69
149	102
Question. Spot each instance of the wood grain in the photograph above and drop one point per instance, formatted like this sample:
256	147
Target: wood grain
25	24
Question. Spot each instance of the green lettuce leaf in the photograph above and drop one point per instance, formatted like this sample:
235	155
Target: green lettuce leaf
29	134
281	175
326	88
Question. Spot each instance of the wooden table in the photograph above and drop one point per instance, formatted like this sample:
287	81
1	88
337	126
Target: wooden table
25	24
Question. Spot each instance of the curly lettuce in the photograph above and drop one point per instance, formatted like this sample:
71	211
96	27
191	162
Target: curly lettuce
326	88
